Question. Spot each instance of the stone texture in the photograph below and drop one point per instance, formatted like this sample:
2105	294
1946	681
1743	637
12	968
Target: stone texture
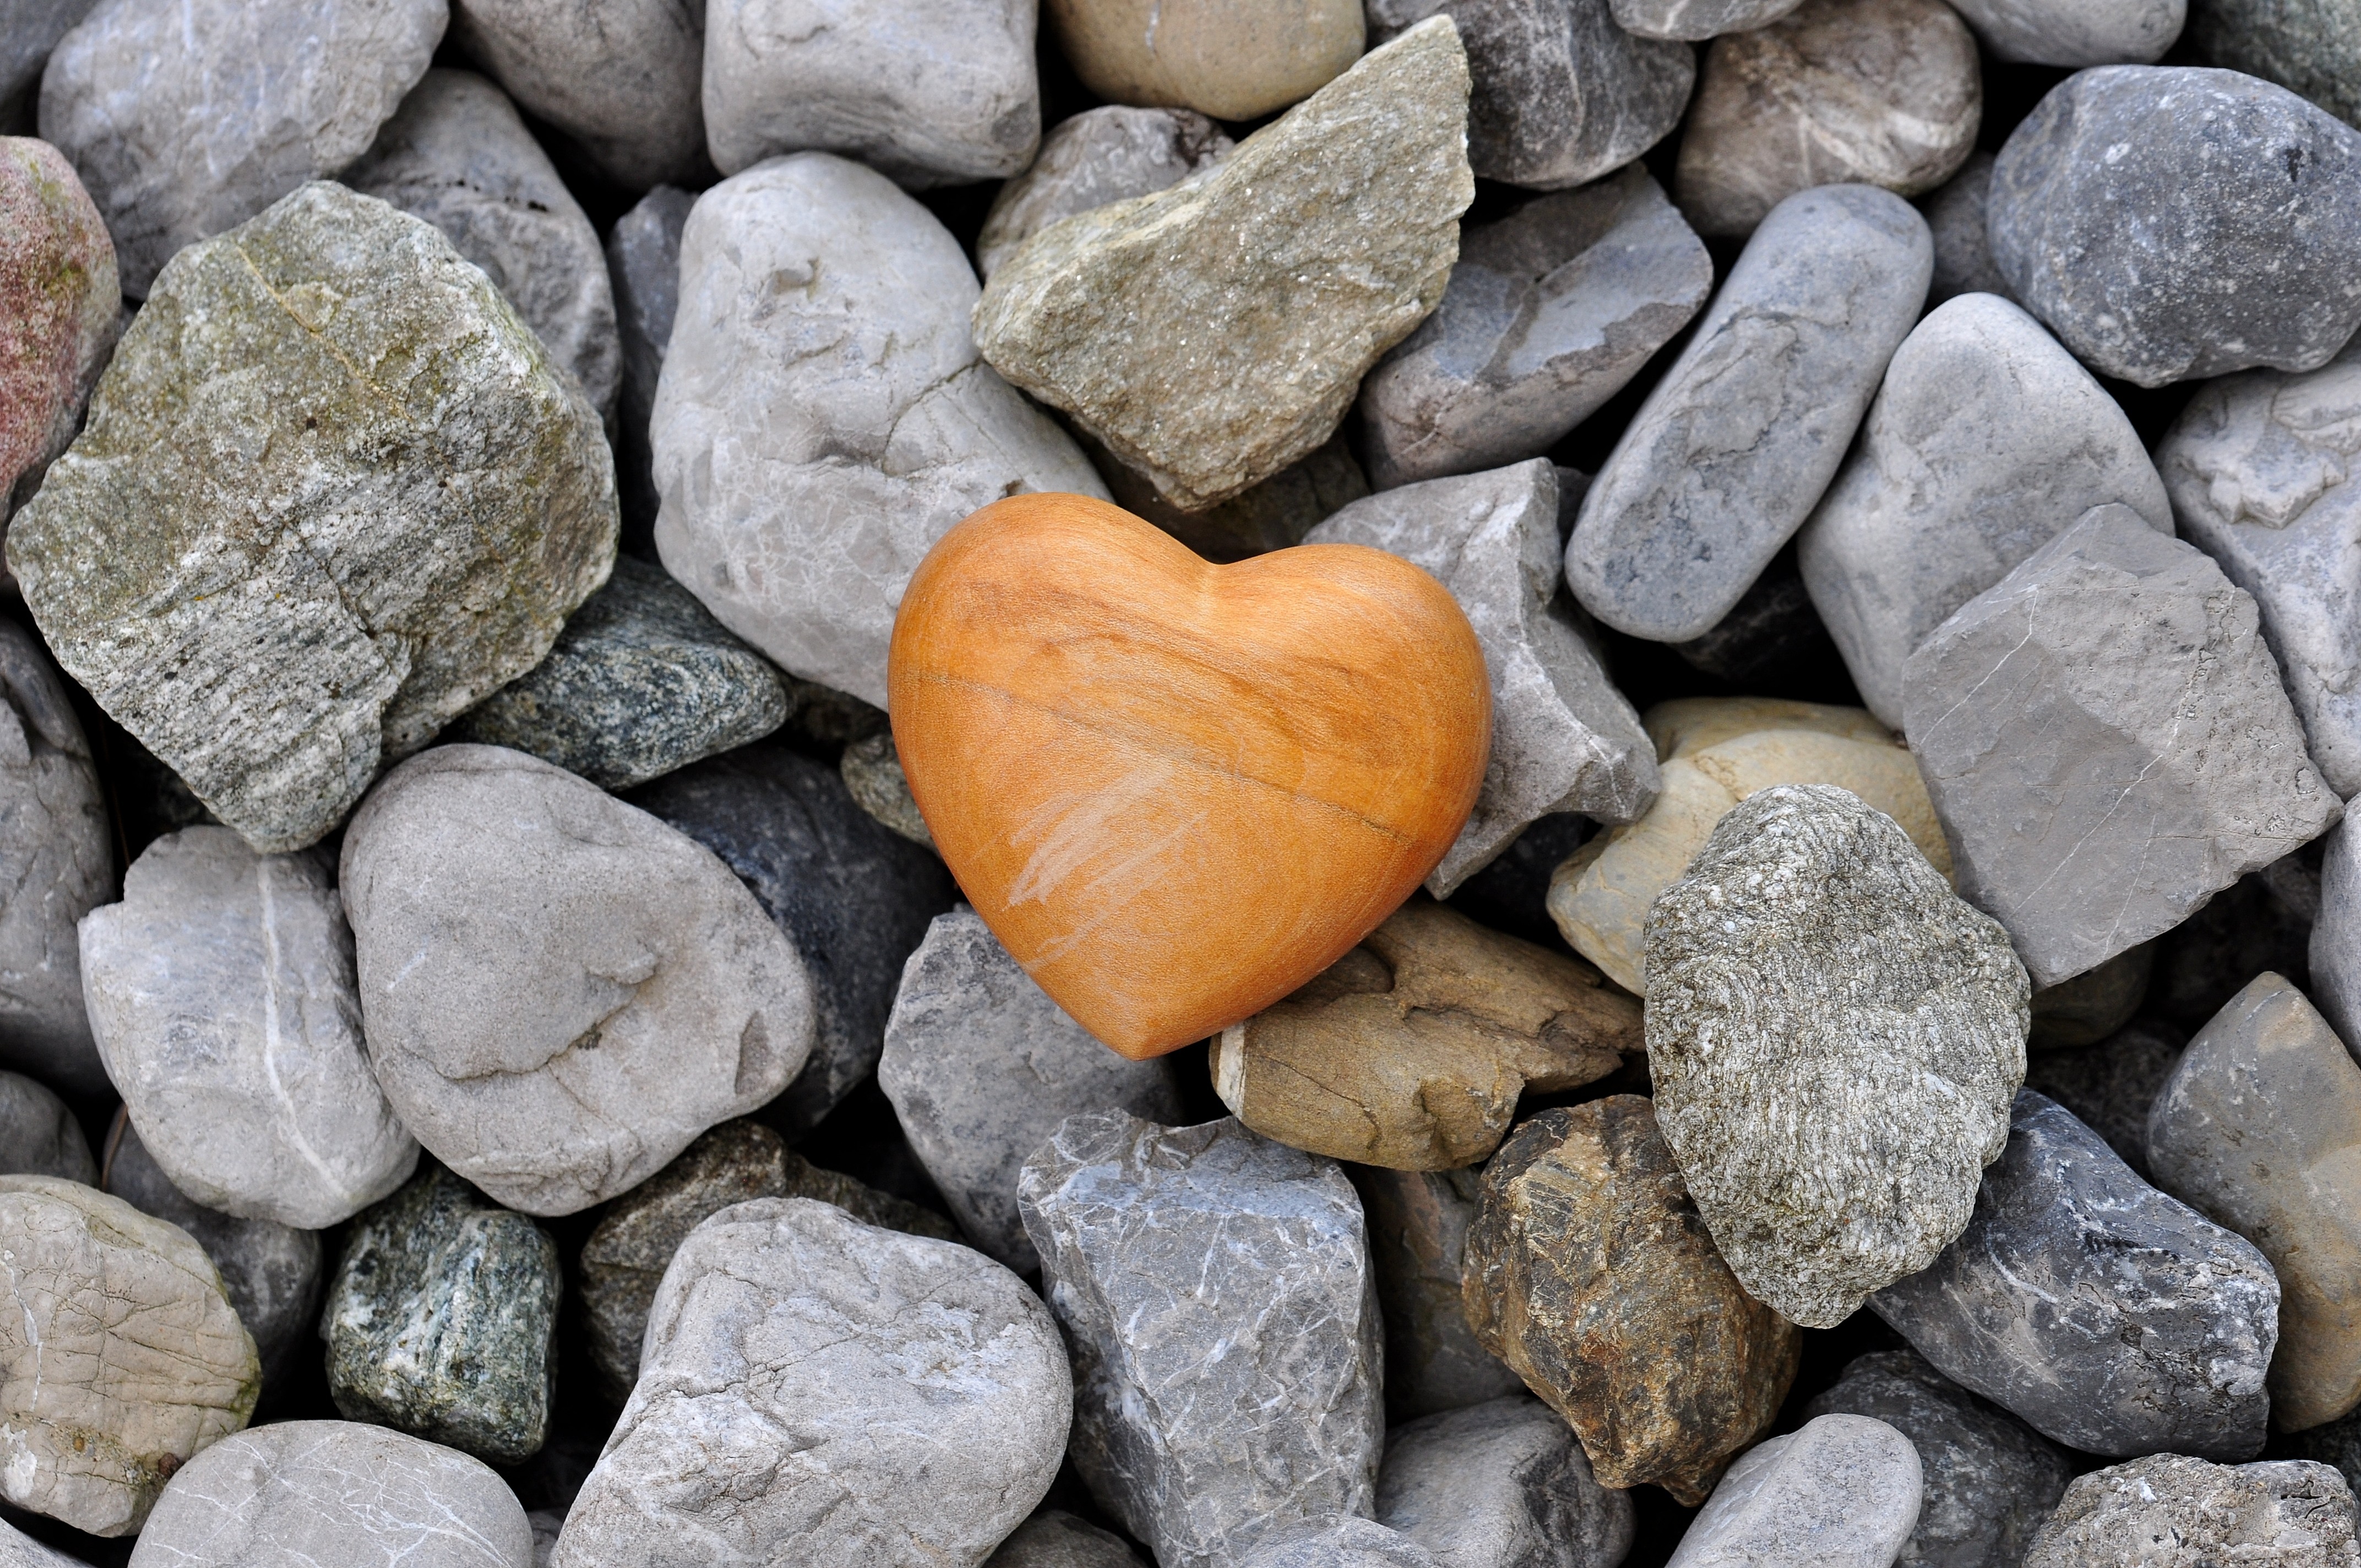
623	80
59	296
1563	738
1343	1542
1231	60
316	1494
1319	244
812	444
1411	1050
1500	1485
19	1550
184	121
332	493
120	1358
2109	1086
643	271
1550	311
2225	234
2108	1316
2169	1510
1731	450
28	34
853	898
1053	1539
1589	1271
1696	20
1214	1290
2335	947
2308	47
2087	1008
1417	1222
1108	154
2105	737
38	1136
442	1320
1955	217
818	1391
1269	516
1841	1493
872	775
2110	32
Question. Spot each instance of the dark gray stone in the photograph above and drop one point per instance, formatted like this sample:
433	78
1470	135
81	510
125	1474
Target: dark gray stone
2336	935
1500	1485
1955	215
2311	47
1417	1222
38	1136
2262	921
28	33
1771	633
2109	1086
621	78
1054	1539
2169	1510
873	774
1697	18
2337	1444
2093	1004
643	270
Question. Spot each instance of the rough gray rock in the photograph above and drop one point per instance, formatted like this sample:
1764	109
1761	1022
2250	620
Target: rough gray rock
1215	1290
1986	441
186	119
1053	1539
812	444
2171	223
982	1068
2109	1086
333	1494
643	270
2108	1316
623	79
1550	311
1339	1542
2104	736
2178	1512
2335	948
2106	32
646	996
1417	1226
1500	1485
1730	452
1955	217
1834	1038
1563	738
331	494
29	34
38	1136
2311	47
1841	1493
1696	20
818	1391
1108	154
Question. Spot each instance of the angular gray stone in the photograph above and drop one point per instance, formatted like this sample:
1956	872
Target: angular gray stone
1215	1293
1550	311
1052	1539
1695	19
2104	736
1833	1037
1986	441
186	119
644	995
334	1495
1417	1224
820	1391
2311	47
982	1068
643	270
2105	1315
1108	154
1730	452
1344	1542
1955	217
38	1136
873	777
2175	222
824	417
2178	1512
1563	738
1500	1485
1841	1493
2109	1086
2101	32
623	80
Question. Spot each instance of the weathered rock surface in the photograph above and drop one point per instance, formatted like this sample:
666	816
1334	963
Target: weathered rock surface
2225	234
1342	1542
643	270
1054	1539
1696	19
2109	1086
1410	1052
1214	1290
59	296
185	121
1501	1484
872	775
1841	1493
1563	738
1231	60
38	1136
2105	737
1986	441
120	1358
2092	1005
622	80
2313	48
1589	1271
1337	227
812	446
2178	1512
1108	154
1730	452
818	1388
2108	32
2109	1316
1955	217
1417	1222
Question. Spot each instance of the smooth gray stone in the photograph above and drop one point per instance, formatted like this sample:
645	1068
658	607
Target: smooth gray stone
2171	223
623	78
2089	32
1417	1222
1990	1479
19	1550
29	33
1842	1493
2105	739
38	1136
1563	738
1215	1293
1500	1485
1052	1539
1730	452
2178	1512
2106	1315
1549	312
2311	47
186	117
982	1068
2109	1086
2335	948
643	270
1108	154
1986	441
1696	20
1955	215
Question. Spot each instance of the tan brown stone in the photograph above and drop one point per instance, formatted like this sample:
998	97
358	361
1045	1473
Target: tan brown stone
1235	60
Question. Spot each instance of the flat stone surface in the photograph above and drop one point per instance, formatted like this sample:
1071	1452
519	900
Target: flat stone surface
2104	735
1841	1493
334	1495
1730	452
1589	1271
2109	1086
872	775
1563	738
2113	32
1238	61
2226	234
1955	215
1500	1485
1215	1291
2105	1315
1417	1222
623	80
59	296
186	120
1550	311
820	1389
1695	19
812	446
2312	48
120	1358
38	1136
1340	1543
2178	1512
1986	441
1337	227
643	270
1111	153
1053	1539
1410	1052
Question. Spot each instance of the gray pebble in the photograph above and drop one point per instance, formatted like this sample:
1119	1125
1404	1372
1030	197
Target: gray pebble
2174	1511
643	270
621	79
2109	1086
1842	1493
2090	32
2092	1005
38	1136
1417	1222
1053	1539
1955	215
1108	154
2311	47
1500	1485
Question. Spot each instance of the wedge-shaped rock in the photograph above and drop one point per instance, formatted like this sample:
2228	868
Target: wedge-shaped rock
1109	154
1418	1224
1842	1493
59	296
2289	1510
1502	1485
623	79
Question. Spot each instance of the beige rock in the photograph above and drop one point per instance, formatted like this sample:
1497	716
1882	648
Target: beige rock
1235	60
1714	752
1409	1051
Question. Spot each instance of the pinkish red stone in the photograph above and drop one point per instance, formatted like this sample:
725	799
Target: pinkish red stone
58	308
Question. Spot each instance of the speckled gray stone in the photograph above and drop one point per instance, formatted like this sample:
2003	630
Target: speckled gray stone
1500	1485
643	270
1841	1493
38	1136
2109	1086
1108	154
1054	1539
1417	1224
873	777
2108	1316
2173	1511
2097	32
2311	47
1955	215
623	79
1215	1290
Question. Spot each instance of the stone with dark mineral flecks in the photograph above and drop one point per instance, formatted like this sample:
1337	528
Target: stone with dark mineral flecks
2173	1511
1500	1485
1418	1224
2109	1086
873	777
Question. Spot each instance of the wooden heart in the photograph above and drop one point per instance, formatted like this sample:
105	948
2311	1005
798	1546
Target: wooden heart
1177	791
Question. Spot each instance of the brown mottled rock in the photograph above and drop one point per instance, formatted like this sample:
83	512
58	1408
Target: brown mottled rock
1589	1271
1235	60
58	303
1418	1224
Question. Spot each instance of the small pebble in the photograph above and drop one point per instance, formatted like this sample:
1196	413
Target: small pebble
873	777
1054	1539
1955	215
2091	32
2090	1006
643	271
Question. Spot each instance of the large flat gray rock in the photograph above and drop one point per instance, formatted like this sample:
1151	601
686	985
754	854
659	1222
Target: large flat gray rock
623	79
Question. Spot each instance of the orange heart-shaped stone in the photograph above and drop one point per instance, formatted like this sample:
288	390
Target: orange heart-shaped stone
1177	791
